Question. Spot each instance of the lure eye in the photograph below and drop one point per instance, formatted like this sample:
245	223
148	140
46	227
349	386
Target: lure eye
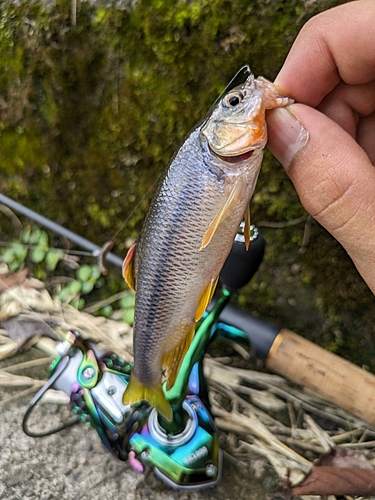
233	99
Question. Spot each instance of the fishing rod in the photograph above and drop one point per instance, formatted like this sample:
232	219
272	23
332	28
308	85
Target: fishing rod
95	250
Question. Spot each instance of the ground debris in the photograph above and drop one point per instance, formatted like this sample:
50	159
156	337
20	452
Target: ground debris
26	326
321	450
8	280
336	481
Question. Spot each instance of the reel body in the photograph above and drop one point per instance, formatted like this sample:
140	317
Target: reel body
95	383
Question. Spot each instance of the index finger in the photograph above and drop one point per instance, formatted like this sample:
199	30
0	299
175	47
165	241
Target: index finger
338	44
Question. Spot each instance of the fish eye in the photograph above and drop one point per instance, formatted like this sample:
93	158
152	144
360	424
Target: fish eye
233	99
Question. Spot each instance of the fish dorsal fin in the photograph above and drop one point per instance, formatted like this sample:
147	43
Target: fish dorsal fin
219	217
128	267
246	230
137	392
206	298
172	359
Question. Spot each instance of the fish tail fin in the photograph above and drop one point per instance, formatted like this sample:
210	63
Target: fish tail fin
137	392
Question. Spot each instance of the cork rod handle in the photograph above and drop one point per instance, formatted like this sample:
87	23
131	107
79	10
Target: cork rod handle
330	376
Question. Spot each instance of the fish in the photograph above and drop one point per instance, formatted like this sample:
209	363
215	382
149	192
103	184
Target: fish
188	232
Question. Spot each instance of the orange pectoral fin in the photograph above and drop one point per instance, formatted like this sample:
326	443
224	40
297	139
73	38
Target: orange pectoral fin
128	267
246	231
206	299
172	359
219	217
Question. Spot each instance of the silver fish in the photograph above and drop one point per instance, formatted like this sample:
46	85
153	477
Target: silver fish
189	230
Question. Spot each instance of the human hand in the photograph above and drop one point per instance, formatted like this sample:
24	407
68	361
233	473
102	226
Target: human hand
326	143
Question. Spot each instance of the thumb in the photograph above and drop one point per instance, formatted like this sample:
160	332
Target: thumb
333	176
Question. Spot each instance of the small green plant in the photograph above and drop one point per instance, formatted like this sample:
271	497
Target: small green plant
86	278
127	305
33	250
33	246
14	256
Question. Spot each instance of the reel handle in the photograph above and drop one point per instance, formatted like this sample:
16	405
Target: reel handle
242	264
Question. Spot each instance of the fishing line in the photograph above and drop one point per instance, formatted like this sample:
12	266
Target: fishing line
239	79
32	405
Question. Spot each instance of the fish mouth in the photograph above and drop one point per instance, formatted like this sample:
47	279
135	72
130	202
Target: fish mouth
235	158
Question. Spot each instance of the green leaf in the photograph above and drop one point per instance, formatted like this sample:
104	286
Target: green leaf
25	235
64	294
43	239
74	287
37	254
128	316
40	274
8	255
75	302
20	251
127	300
87	287
13	266
52	258
84	273
95	272
34	236
106	311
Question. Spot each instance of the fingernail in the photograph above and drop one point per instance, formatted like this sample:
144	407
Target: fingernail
286	136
